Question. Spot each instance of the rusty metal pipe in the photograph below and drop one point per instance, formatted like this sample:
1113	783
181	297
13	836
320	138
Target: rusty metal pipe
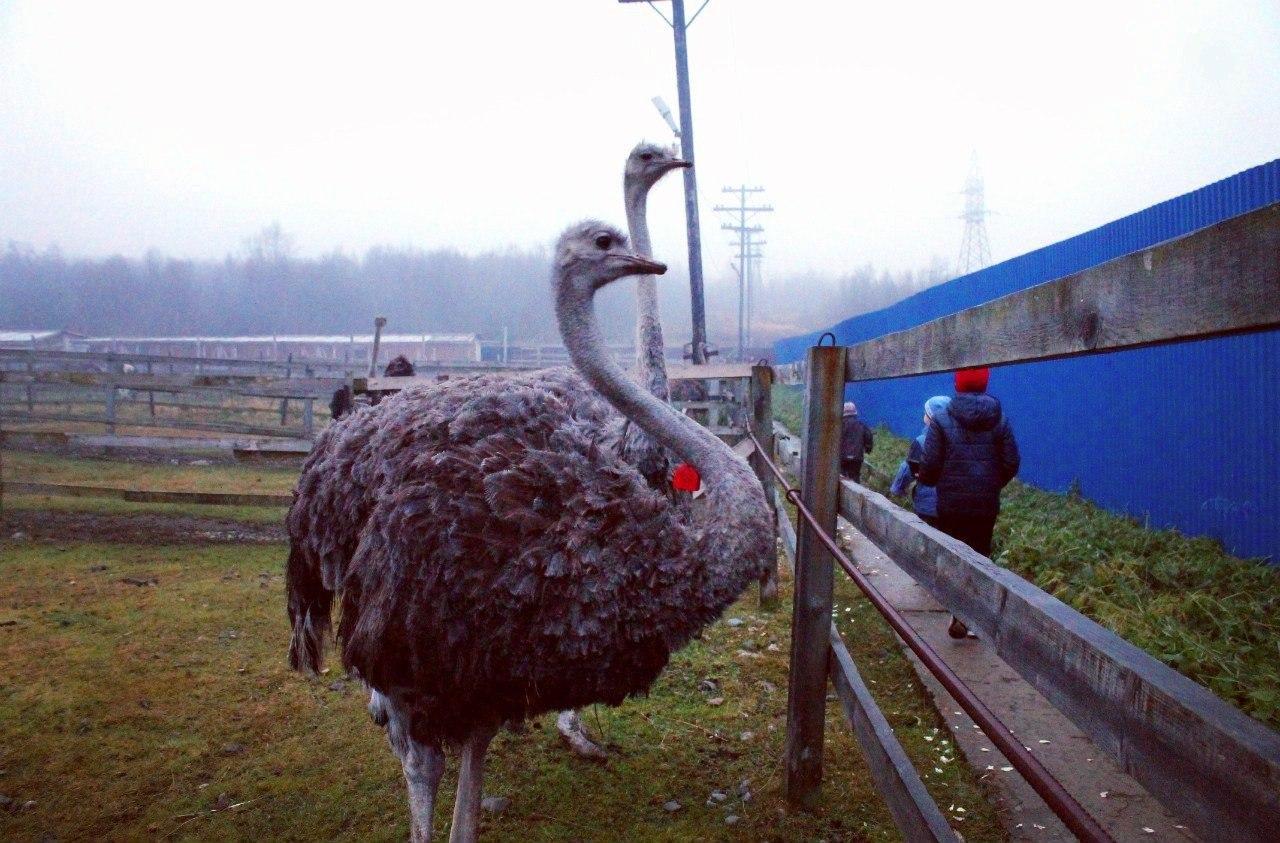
1062	803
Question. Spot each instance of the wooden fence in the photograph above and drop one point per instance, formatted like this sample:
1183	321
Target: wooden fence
258	398
1207	762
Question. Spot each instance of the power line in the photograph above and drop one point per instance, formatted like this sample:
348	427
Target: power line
748	255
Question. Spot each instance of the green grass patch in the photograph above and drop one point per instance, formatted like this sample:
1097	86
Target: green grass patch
28	466
1212	616
135	711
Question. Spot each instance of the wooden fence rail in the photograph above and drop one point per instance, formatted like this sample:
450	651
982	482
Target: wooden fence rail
1207	762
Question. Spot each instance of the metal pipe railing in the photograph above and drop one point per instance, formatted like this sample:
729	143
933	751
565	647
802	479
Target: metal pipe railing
1062	803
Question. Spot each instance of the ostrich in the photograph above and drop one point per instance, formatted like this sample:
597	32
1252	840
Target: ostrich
646	165
508	564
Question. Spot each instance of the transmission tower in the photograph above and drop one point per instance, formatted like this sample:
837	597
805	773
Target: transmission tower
975	251
747	253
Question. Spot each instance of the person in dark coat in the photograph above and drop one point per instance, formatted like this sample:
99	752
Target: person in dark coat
855	442
970	455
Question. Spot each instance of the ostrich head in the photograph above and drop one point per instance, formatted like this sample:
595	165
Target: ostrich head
648	162
592	254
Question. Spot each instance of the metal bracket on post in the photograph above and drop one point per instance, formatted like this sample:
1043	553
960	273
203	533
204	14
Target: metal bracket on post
811	617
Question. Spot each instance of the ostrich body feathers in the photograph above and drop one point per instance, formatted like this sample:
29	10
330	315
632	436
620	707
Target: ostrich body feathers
498	558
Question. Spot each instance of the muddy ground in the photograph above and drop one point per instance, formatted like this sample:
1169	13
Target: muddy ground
139	528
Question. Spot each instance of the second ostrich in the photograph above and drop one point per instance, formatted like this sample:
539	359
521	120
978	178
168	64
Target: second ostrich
509	565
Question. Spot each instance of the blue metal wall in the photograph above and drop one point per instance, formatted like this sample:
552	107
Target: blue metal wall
1185	435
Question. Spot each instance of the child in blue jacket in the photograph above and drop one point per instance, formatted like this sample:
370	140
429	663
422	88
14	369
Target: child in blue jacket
924	498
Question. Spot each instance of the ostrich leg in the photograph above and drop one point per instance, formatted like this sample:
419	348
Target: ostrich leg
423	765
466	808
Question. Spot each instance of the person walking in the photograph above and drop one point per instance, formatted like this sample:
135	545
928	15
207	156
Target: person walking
924	498
969	453
855	442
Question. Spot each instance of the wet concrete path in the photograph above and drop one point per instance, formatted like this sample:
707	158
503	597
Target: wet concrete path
1118	802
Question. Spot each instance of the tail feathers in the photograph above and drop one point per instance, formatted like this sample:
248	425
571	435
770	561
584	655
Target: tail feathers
309	613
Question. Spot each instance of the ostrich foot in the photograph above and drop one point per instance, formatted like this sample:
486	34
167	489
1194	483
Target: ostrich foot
570	727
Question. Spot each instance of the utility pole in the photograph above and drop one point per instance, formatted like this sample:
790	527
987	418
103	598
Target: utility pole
746	251
680	27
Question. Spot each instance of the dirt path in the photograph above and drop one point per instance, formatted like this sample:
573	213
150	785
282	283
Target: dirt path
141	528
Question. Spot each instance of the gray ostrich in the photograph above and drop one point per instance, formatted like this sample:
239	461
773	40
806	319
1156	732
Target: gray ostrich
508	564
646	164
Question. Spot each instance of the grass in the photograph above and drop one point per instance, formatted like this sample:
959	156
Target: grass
51	468
137	711
1186	601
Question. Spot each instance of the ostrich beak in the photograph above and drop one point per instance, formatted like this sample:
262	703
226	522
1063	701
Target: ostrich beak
680	164
640	265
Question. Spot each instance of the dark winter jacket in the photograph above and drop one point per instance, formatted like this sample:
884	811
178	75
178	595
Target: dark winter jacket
855	439
969	454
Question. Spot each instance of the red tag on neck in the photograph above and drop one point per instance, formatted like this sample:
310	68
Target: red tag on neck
685	478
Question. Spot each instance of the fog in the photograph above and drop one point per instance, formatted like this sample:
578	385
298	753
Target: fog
171	134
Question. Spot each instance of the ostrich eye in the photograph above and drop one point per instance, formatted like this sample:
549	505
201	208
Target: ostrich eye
646	156
604	241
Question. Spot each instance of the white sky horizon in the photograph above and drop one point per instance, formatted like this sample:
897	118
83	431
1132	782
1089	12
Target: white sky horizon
187	129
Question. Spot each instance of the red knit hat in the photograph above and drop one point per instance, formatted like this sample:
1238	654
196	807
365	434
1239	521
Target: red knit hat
972	380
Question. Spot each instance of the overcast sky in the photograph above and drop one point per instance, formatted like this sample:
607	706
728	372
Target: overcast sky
187	127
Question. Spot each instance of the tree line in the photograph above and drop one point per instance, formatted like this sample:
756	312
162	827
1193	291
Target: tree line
268	289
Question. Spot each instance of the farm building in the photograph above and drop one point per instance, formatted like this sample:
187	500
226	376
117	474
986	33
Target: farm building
348	348
46	340
1179	435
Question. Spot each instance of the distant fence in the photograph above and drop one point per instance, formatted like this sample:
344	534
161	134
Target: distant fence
1182	435
116	390
1207	762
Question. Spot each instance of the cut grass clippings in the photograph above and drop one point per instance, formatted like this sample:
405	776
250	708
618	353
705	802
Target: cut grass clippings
1212	616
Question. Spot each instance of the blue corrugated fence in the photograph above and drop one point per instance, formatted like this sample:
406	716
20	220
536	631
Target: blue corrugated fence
1185	435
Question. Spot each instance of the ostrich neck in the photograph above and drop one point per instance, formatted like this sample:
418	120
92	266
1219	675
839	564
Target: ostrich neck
722	472
650	364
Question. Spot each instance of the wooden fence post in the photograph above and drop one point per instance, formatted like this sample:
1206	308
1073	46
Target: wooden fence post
308	419
284	402
151	396
760	396
815	574
111	409
31	402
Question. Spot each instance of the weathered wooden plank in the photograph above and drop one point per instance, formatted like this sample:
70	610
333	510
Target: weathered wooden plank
811	613
914	811
1207	762
759	400
709	371
1219	280
117	357
146	495
247	385
148	422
